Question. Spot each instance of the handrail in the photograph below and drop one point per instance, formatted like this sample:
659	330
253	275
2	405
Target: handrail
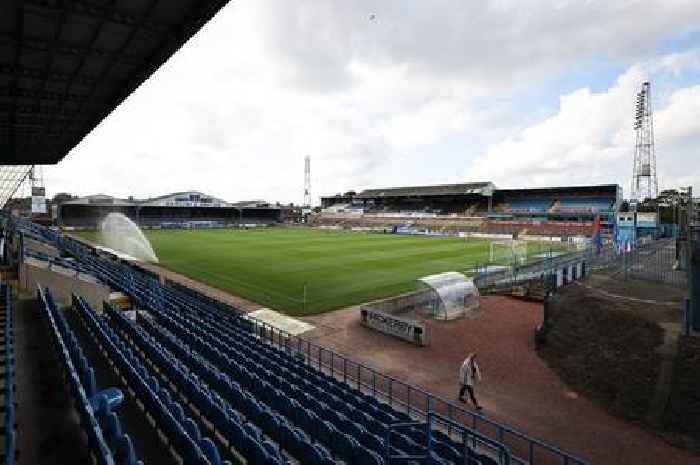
504	453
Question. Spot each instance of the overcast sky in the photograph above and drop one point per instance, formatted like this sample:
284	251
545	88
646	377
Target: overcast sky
521	93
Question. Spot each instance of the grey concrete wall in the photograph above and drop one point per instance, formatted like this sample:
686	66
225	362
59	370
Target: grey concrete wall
62	284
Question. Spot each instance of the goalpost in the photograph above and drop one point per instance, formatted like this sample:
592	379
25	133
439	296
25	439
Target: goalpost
508	251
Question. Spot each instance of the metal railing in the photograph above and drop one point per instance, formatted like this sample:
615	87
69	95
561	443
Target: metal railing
413	400
472	441
657	261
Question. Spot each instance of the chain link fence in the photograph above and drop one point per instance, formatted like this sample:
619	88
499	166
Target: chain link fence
660	261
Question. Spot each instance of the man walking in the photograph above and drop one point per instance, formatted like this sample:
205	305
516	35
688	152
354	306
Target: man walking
469	373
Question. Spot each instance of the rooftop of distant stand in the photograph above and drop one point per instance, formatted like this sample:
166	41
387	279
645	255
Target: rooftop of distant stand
594	189
65	66
440	189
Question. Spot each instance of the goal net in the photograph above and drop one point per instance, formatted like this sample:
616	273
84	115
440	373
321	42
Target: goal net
508	252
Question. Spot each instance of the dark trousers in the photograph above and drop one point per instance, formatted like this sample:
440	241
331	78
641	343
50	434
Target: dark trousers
470	390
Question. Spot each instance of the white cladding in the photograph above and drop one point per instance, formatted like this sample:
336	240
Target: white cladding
187	199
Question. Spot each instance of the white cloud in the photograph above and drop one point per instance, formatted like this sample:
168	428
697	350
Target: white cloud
590	139
266	83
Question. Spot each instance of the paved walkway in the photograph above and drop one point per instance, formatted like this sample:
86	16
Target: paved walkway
518	389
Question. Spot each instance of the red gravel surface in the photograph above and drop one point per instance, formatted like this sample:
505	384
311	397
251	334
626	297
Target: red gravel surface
518	388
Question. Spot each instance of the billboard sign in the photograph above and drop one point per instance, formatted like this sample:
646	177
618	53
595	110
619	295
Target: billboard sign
407	330
38	201
646	220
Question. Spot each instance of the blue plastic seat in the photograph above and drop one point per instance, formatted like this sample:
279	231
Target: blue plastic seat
364	456
253	451
252	431
192	429
234	431
107	400
210	451
271	449
435	459
111	428
124	453
90	385
372	441
177	412
344	445
446	451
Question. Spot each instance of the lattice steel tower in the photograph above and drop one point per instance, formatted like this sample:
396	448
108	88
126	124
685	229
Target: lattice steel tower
307	181
644	182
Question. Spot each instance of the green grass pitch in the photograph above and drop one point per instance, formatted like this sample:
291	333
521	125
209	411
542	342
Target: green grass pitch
272	266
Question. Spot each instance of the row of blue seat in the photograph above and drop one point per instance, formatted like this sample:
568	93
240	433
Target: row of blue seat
310	378
222	401
413	439
377	442
51	260
144	386
314	385
85	372
263	383
8	365
174	399
241	435
261	410
163	298
592	203
106	441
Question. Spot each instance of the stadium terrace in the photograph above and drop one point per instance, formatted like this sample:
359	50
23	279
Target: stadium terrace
180	209
480	207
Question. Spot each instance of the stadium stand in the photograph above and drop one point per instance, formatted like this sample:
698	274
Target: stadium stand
577	205
220	388
178	210
51	261
527	206
107	443
8	375
167	414
475	207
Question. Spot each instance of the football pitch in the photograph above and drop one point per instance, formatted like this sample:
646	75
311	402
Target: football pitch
274	266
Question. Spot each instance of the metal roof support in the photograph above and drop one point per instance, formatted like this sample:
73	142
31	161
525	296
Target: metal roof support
19	14
11	177
72	79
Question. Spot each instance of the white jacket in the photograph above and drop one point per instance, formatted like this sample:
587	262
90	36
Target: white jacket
469	372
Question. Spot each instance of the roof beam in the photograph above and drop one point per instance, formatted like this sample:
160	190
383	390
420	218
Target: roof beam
19	33
135	28
95	33
59	23
102	14
58	47
45	76
40	94
31	110
38	118
11	177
